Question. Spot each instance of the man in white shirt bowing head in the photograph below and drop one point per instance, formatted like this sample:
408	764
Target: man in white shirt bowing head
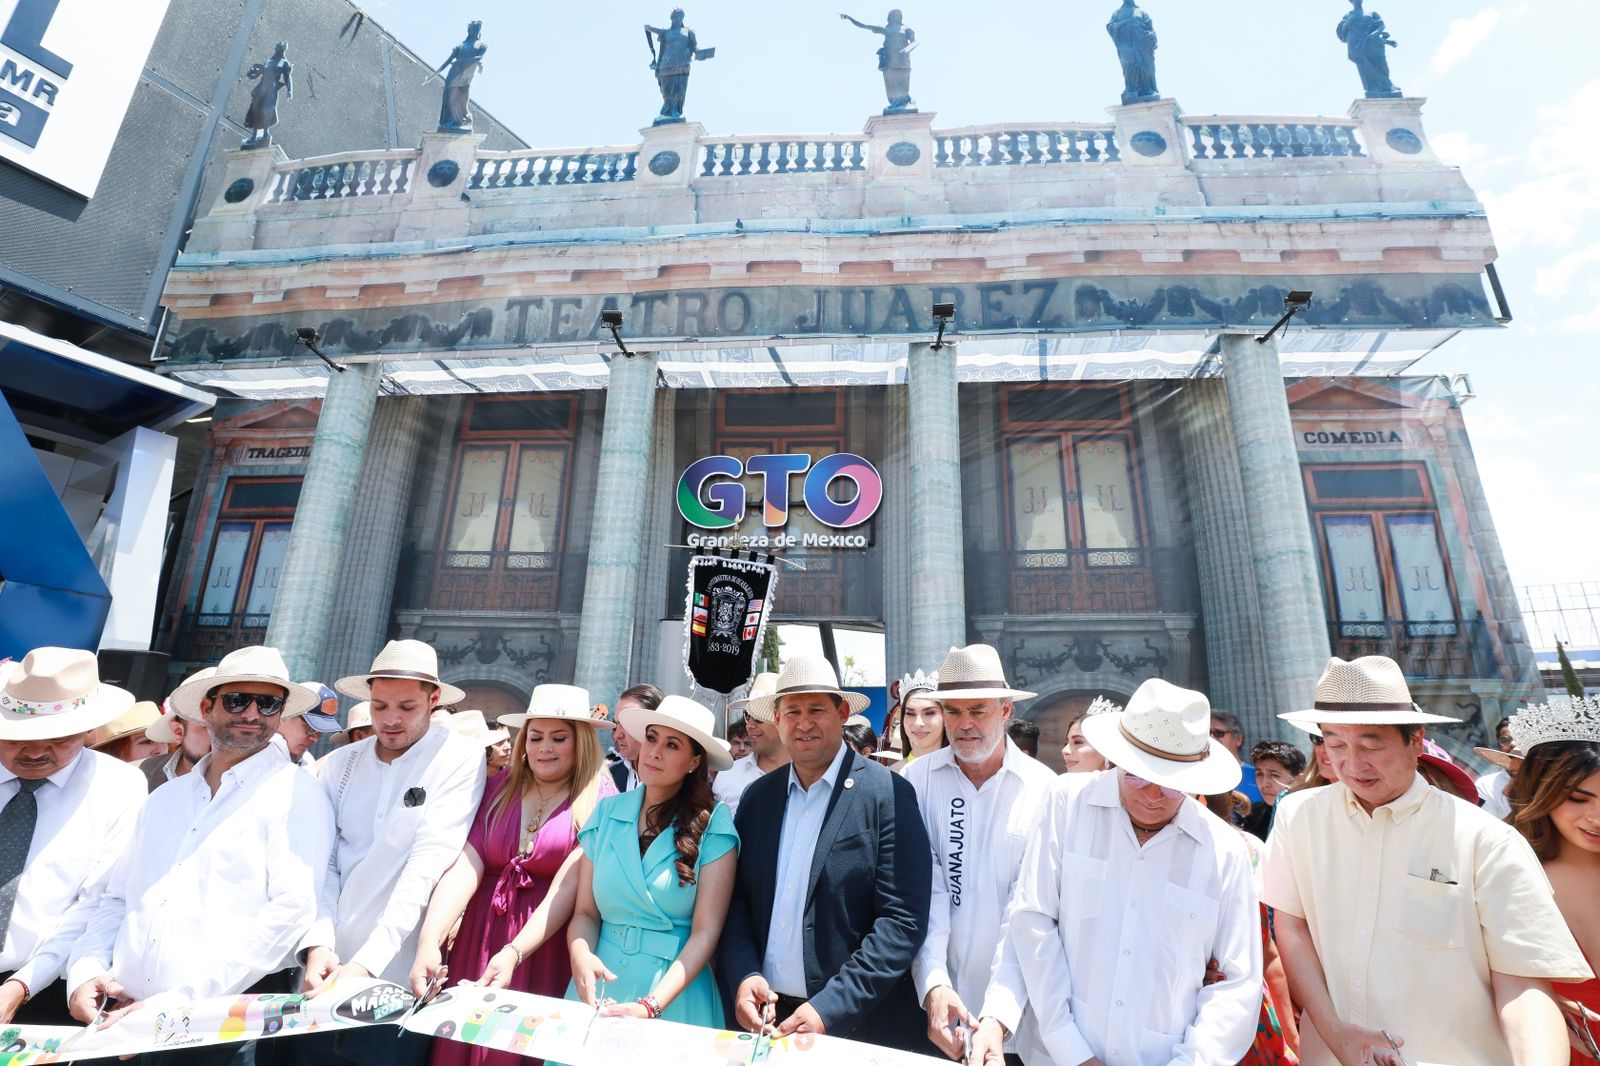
403	800
981	800
65	813
219	879
1127	890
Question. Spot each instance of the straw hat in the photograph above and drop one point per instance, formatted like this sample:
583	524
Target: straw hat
407	660
253	663
1164	736
55	693
567	703
1370	690
160	730
687	717
473	726
168	707
974	673
1502	759
803	673
136	719
859	719
360	717
765	684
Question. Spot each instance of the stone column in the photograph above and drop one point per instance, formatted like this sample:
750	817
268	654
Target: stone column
938	616
1283	557
302	614
1238	676
365	589
611	587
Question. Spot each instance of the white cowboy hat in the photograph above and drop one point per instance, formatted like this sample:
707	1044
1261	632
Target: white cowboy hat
765	684
360	717
55	693
886	755
136	719
168	707
974	673
407	660
1370	690
1164	736
253	663
803	673
160	730
859	719
473	726
566	703
687	717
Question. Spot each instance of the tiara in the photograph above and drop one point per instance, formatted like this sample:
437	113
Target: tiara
918	682
1560	719
1101	705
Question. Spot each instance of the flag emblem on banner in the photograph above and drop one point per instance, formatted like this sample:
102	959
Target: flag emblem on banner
699	616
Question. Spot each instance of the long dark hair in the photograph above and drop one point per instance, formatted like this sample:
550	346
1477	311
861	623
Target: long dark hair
1547	777
688	810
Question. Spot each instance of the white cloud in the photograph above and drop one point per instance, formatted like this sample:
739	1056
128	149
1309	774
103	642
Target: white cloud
1465	35
1555	279
1457	148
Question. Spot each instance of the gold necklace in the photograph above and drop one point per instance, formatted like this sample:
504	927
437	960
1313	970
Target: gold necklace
544	809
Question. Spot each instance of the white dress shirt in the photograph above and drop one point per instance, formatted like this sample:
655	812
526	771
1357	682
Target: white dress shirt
86	810
731	783
213	891
1113	939
979	836
1492	790
784	964
400	826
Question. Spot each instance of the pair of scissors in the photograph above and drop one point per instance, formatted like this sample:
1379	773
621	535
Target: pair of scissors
964	1033
435	983
107	1005
769	1018
1399	1058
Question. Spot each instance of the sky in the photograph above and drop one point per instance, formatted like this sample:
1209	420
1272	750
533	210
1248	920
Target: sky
1512	89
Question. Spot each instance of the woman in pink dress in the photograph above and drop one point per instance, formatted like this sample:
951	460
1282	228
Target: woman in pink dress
514	885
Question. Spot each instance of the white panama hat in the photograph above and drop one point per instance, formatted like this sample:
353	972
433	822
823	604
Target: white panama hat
405	660
567	703
360	717
974	673
803	673
252	663
1164	736
57	692
473	726
135	720
765	684
1370	690
687	717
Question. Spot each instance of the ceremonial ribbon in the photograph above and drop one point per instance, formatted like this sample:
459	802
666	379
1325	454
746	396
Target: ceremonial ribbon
536	1026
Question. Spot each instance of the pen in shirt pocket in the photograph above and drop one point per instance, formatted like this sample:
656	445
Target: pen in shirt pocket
1439	877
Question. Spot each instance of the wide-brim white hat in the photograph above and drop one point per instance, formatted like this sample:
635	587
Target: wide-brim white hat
1371	690
360	717
54	693
974	673
161	730
404	660
687	717
803	673
765	684
1164	736
136	719
565	703
253	663
473	726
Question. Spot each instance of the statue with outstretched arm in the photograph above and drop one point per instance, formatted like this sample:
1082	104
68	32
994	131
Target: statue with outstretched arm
894	59
673	51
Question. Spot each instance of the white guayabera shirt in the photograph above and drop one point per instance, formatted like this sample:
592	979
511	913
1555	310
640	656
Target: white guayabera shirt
1113	939
979	836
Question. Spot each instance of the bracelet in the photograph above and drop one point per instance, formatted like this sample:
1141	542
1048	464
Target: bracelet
27	993
513	949
650	1005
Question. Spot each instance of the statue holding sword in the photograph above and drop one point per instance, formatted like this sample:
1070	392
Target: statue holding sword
671	61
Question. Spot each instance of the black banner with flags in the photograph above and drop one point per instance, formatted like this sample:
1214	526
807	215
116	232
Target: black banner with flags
730	599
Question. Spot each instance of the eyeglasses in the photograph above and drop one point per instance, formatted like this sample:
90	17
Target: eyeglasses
1218	734
1316	741
266	706
1139	782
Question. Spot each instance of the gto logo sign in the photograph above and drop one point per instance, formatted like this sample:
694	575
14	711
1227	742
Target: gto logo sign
711	496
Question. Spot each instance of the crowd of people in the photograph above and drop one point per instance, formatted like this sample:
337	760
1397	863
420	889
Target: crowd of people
935	889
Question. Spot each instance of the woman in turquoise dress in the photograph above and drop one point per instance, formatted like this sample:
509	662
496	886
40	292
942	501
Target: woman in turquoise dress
656	875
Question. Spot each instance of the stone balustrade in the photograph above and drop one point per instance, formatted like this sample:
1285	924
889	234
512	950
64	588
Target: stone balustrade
573	166
999	146
741	156
1234	137
337	177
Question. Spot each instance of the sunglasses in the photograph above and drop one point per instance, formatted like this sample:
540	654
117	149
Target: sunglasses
1316	741
266	706
1139	782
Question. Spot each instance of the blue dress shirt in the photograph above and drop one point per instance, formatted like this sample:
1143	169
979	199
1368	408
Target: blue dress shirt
785	960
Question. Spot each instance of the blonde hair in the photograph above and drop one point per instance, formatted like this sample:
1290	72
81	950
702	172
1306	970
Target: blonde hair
583	786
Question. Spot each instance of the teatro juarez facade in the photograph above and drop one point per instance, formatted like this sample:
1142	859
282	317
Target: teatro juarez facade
1101	469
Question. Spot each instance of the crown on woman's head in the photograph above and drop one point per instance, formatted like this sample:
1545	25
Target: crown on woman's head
1101	705
918	682
1563	718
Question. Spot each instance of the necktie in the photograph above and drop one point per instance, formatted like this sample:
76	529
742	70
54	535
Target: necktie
17	821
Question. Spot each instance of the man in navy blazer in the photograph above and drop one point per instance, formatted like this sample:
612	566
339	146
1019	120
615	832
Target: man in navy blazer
831	901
